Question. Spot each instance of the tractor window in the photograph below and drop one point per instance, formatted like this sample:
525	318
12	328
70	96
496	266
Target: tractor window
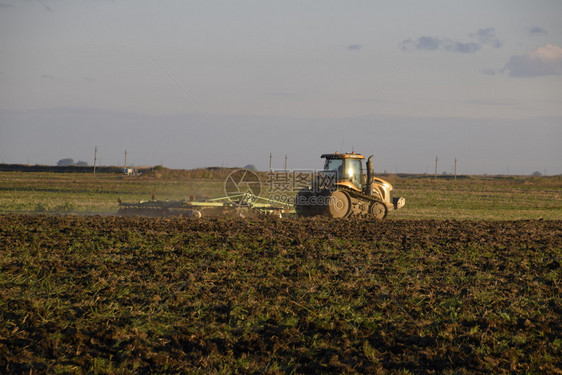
334	165
353	171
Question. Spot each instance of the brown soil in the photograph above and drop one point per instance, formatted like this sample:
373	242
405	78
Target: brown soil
174	295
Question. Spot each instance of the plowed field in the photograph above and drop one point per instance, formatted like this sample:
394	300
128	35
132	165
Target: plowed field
119	295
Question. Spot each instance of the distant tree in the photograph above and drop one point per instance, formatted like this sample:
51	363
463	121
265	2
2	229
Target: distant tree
251	167
65	162
81	163
537	174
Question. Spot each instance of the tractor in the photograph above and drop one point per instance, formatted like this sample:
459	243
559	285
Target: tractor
343	190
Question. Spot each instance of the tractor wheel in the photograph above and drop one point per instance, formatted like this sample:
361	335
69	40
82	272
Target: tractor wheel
339	204
378	210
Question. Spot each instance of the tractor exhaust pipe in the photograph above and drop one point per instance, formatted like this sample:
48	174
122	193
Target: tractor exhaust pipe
370	176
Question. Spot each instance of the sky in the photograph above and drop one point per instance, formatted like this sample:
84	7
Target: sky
189	84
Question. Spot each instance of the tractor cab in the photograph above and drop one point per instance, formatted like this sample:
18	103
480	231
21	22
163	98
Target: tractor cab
347	168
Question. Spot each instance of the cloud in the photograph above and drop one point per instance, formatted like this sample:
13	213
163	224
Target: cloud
546	60
425	43
537	31
487	36
428	43
432	43
354	47
5	6
461	47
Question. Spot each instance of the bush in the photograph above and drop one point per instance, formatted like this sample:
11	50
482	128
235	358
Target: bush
65	162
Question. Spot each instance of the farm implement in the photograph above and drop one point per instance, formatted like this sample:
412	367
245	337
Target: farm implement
236	205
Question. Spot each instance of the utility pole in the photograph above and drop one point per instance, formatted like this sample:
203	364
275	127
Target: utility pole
455	169
95	158
270	157
436	160
125	158
285	162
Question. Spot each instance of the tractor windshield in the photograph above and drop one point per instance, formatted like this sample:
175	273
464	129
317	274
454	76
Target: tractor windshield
353	171
349	169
